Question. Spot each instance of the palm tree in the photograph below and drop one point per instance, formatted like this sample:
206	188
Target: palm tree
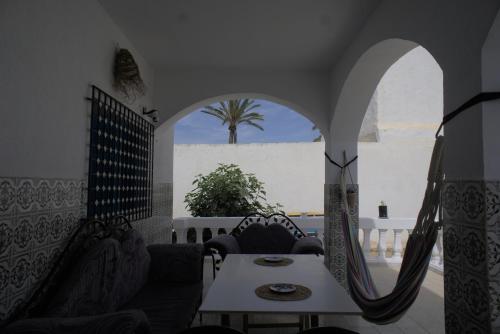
235	112
318	138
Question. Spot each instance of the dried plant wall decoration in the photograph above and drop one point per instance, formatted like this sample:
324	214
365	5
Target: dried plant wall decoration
127	76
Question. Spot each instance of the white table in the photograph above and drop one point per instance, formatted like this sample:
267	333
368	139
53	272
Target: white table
233	290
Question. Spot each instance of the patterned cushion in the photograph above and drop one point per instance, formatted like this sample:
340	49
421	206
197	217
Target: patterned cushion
107	276
260	239
133	267
88	289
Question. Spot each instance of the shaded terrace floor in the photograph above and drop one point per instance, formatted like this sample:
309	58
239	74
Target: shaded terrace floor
425	316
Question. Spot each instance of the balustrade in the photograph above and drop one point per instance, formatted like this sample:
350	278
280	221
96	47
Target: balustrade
383	240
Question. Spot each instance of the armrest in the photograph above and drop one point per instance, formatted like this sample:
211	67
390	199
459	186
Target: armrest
122	322
182	263
308	245
225	244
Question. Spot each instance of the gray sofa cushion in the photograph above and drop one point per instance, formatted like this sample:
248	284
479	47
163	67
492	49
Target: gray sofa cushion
225	244
107	276
89	287
260	239
170	307
133	267
308	245
181	263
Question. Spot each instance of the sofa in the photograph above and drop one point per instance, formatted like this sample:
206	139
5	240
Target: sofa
120	285
259	234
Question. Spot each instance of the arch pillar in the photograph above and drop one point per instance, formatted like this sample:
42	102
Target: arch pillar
471	202
335	248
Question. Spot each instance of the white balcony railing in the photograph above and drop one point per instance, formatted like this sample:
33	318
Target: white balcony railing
383	240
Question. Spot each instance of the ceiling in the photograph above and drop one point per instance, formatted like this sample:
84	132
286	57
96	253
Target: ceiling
240	34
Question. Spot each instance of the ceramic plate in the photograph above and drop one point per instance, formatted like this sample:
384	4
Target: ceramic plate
273	259
282	288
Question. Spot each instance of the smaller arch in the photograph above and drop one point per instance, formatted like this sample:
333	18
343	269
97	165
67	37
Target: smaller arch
198	105
355	95
360	84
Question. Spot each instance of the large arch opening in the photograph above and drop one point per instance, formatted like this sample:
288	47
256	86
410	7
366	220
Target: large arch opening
289	165
397	135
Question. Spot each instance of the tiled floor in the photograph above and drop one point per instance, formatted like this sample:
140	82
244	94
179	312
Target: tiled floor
425	316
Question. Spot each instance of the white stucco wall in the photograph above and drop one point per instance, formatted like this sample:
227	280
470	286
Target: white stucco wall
410	97
293	173
51	51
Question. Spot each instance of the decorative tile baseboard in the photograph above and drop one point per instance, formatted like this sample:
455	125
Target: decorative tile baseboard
472	256
37	216
335	256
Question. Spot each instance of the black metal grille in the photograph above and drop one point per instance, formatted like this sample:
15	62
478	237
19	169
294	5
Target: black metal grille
120	161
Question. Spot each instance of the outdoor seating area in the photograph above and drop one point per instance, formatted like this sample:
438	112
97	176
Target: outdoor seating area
260	234
108	281
151	150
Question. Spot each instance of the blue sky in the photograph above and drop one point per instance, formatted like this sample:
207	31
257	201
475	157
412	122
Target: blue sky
281	124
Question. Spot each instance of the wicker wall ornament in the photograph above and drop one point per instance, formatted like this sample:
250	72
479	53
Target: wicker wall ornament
127	76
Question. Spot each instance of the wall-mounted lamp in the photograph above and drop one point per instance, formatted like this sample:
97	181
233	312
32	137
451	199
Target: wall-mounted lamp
153	114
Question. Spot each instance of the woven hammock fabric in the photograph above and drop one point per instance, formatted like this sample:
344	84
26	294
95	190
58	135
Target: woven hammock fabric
390	308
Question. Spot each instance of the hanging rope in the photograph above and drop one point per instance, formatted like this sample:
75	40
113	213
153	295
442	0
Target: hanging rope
389	308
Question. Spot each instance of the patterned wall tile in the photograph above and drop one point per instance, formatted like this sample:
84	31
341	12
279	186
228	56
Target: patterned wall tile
8	197
162	199
472	256
156	229
36	218
492	203
335	258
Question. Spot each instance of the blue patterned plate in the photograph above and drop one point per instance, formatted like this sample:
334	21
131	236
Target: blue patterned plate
282	288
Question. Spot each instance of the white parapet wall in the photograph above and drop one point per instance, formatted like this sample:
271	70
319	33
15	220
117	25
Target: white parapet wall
294	173
382	240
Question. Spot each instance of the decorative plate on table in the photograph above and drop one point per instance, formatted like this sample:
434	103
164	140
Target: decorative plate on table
273	259
282	288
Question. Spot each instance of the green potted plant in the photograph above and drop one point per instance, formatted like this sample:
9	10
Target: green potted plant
228	192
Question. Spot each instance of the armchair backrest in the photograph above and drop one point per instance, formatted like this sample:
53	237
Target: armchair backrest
275	218
261	239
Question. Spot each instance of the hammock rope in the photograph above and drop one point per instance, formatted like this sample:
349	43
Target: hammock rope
390	308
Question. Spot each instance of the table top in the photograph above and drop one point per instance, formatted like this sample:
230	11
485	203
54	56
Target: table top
233	290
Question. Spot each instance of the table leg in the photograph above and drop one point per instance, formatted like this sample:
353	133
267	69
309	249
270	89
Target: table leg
224	320
314	320
306	322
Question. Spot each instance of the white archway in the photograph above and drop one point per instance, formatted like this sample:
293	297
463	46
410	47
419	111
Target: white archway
164	134
355	96
200	104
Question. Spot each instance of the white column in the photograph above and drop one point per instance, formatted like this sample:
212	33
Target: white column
439	243
181	235
214	232
366	241
382	244
397	246
199	235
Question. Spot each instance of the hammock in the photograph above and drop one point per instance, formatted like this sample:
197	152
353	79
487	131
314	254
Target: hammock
390	308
